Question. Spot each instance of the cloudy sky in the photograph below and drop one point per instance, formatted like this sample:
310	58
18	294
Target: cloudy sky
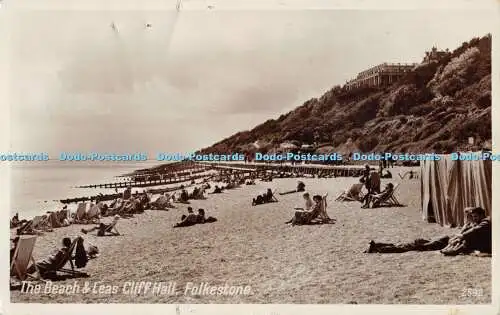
198	76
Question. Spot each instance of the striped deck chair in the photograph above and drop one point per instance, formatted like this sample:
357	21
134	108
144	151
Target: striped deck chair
23	255
41	223
388	201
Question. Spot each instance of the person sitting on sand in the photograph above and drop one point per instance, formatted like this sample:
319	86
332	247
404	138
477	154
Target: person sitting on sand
14	222
53	261
412	175
264	198
475	236
306	216
194	194
184	196
127	193
201	219
162	203
105	228
189	219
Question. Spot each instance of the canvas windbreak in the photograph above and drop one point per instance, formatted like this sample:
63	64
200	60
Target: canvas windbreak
449	186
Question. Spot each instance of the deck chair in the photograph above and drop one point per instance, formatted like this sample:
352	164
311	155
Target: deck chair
112	226
94	212
352	194
23	255
25	227
68	258
323	217
81	210
274	199
388	201
42	223
37	221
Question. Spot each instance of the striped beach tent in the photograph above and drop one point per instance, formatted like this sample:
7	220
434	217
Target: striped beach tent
449	186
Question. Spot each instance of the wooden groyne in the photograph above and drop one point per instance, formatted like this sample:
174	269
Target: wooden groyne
301	169
173	180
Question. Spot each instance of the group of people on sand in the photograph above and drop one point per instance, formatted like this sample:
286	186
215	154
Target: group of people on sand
474	236
374	196
314	209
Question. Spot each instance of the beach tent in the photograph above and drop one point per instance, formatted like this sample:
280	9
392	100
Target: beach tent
448	186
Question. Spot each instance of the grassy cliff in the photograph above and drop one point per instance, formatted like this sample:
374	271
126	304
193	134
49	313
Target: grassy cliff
434	108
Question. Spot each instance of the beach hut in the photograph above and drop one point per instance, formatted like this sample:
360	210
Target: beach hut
448	186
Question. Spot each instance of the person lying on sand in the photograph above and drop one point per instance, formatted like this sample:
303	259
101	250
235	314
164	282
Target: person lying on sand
375	199
51	262
306	216
473	237
250	182
105	228
301	187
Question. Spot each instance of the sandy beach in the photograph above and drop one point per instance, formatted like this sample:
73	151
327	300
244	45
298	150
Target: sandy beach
251	246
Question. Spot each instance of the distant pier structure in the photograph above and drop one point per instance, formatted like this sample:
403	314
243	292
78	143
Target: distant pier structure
381	75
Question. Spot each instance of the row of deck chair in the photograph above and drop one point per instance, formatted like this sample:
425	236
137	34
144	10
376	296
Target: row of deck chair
23	256
87	211
355	194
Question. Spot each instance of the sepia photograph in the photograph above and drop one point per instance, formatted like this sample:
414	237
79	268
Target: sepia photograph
195	155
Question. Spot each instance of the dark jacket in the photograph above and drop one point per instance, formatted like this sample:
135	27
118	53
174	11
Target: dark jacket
478	237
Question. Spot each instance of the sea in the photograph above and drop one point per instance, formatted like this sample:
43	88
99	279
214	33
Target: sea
37	187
